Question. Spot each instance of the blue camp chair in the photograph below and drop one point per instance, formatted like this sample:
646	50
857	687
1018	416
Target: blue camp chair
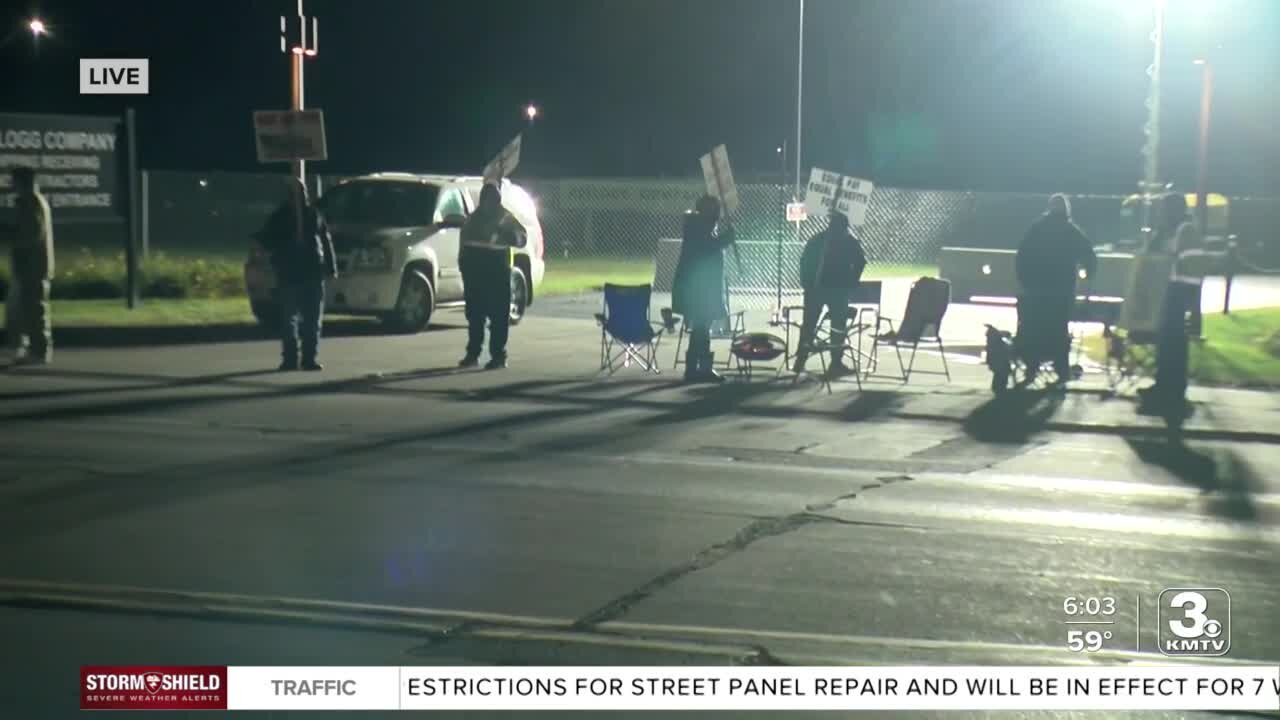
626	333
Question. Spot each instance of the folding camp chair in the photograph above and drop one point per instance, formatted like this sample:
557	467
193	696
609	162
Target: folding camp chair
626	333
921	323
823	344
864	317
728	328
1131	344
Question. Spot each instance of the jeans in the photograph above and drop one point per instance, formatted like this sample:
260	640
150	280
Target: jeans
698	355
489	301
1172	352
302	304
837	304
1044	332
27	315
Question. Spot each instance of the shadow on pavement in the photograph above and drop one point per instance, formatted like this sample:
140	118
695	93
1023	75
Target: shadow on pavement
130	336
871	403
258	391
1012	418
1220	471
138	382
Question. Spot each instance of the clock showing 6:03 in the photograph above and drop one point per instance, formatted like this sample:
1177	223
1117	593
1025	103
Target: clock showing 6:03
1091	606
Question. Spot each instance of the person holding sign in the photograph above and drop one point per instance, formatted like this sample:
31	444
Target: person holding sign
485	262
32	263
698	290
303	257
831	266
1047	265
1174	236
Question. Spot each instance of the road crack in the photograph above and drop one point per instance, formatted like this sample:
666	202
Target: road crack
757	530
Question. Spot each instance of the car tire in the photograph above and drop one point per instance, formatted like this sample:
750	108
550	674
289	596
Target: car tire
415	303
267	314
519	295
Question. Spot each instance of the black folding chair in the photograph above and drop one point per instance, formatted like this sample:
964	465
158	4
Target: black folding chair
921	323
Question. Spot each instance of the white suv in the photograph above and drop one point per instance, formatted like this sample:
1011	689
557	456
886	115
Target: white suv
396	236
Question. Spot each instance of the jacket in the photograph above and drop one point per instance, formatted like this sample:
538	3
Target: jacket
832	260
33	238
486	240
698	289
299	257
1050	256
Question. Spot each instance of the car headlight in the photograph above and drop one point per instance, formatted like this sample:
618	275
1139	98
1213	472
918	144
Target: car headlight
371	258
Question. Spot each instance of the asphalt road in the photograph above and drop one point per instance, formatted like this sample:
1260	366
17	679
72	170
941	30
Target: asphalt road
183	505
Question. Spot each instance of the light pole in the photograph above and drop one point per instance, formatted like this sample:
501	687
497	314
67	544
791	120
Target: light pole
1202	155
305	48
1151	149
799	102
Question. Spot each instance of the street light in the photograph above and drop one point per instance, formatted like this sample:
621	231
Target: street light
37	27
531	112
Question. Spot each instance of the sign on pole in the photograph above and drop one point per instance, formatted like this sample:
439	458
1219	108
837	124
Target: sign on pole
290	135
796	212
719	178
504	164
828	192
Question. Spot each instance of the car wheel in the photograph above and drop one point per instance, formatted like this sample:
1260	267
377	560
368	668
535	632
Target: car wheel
519	295
414	305
267	314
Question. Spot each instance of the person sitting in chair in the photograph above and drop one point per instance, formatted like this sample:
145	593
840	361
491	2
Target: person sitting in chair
831	266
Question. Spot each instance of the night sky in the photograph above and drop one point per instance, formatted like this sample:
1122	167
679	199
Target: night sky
1034	95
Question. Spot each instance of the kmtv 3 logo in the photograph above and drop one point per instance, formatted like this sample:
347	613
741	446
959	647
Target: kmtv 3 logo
1195	621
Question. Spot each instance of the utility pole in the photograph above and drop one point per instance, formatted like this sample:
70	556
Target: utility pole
1151	150
799	100
1202	179
306	47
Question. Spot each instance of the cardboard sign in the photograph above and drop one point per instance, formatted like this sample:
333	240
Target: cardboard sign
290	135
505	163
719	178
828	191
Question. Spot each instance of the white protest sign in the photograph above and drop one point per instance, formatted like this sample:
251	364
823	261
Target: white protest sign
289	135
719	179
505	163
846	195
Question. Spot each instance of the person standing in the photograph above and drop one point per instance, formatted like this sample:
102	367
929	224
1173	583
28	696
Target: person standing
698	289
303	257
1174	235
831	267
31	256
1047	266
485	261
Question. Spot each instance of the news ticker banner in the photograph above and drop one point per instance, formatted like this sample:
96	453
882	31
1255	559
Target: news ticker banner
1188	687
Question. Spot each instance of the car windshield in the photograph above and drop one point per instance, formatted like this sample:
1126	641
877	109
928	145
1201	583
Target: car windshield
381	202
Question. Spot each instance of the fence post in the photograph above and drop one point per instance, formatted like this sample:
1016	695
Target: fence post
146	214
1232	259
131	237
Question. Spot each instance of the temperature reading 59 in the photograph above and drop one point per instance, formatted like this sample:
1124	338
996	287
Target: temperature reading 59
1087	640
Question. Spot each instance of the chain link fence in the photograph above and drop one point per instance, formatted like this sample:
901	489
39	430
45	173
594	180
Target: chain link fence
634	223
